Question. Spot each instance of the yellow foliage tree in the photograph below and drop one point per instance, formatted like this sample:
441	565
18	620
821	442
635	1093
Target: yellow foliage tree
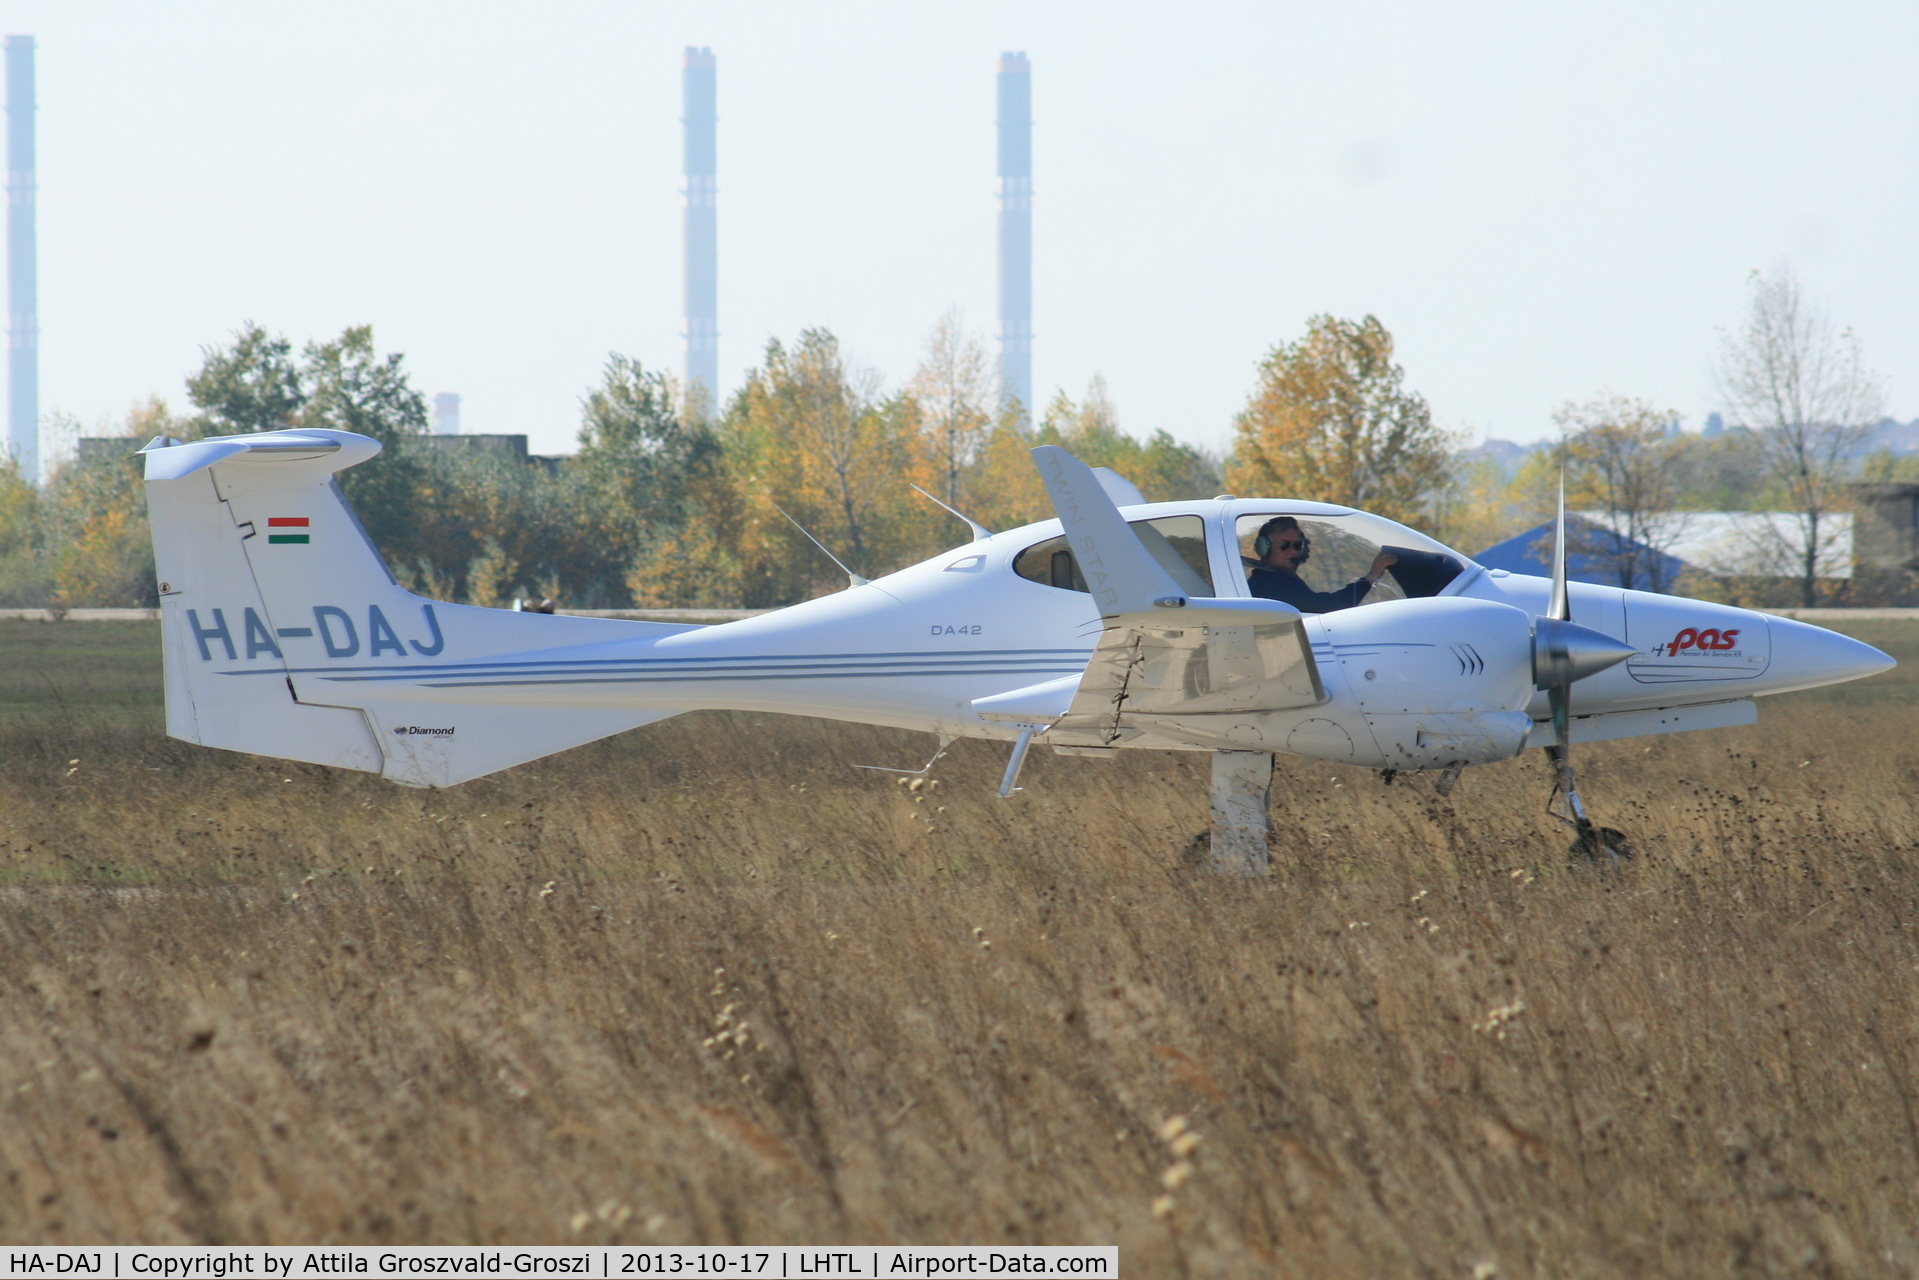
94	517
24	571
809	435
1330	422
1160	467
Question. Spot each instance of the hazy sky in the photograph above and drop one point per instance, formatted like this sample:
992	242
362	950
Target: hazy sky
1539	201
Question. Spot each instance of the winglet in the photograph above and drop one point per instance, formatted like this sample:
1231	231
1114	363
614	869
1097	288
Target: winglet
1121	573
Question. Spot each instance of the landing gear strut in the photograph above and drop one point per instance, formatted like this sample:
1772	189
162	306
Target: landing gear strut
1242	788
1590	843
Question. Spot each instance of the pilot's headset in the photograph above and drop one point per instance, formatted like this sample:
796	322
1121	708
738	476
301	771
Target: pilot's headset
1264	542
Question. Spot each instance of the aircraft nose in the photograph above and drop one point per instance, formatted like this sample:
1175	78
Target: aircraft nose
1805	656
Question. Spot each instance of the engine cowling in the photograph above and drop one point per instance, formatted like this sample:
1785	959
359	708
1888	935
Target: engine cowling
1436	682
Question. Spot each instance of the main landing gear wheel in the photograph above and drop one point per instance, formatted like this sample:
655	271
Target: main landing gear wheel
1600	847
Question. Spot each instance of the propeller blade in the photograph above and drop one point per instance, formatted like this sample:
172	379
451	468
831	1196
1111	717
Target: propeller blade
1564	651
1559	608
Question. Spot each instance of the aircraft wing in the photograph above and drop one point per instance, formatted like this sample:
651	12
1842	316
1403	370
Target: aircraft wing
1169	667
1139	677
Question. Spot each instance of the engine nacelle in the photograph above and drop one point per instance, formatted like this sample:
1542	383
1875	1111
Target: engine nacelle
1429	683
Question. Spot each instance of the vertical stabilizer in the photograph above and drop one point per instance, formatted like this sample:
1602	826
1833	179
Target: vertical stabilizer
227	682
286	636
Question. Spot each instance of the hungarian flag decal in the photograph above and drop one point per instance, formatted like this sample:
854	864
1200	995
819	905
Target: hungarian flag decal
287	522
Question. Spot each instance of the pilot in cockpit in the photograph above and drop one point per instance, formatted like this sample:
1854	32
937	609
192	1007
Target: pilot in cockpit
1281	548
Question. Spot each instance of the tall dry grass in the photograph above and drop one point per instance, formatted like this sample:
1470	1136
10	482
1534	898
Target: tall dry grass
708	983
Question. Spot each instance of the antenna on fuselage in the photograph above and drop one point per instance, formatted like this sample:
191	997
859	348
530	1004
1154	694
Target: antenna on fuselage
980	531
946	740
852	579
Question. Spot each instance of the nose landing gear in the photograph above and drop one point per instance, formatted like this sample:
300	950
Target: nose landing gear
1593	845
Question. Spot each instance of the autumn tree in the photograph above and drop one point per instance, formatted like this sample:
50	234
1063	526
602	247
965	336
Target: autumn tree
1481	504
952	391
1719	473
25	575
1616	454
96	547
1007	486
1804	391
1330	421
810	433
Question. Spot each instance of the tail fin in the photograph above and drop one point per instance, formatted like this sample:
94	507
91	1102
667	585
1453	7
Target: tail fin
285	635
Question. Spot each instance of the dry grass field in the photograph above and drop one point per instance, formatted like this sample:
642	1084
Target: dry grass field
708	983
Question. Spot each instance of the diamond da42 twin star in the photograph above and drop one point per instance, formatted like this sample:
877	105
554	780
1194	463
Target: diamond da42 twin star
1120	624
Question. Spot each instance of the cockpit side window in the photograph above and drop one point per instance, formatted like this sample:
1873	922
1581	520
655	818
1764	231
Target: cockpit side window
1340	551
1178	543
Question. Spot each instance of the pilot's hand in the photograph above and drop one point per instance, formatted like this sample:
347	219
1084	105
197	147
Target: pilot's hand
1381	562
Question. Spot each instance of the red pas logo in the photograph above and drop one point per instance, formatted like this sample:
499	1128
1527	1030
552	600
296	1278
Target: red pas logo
1710	640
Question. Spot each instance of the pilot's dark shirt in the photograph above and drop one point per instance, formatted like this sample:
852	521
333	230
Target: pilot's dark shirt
1271	584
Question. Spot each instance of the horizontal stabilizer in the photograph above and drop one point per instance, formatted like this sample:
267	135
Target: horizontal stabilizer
1035	704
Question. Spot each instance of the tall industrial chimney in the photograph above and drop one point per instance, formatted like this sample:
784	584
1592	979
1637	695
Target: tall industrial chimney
701	327
23	293
1016	231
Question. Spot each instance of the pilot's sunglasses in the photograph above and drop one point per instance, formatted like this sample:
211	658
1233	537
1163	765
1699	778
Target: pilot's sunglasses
1290	545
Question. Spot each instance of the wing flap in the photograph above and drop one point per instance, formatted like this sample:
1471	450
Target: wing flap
1138	676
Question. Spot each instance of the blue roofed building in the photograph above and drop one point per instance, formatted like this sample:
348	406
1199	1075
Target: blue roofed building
1594	553
1750	545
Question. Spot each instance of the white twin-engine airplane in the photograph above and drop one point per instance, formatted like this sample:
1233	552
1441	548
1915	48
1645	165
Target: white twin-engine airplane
1120	624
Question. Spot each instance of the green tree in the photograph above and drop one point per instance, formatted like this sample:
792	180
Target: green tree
645	459
653	482
1008	486
1726	473
252	384
351	387
1330	421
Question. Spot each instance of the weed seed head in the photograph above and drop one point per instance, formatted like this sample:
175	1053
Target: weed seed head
1496	1020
